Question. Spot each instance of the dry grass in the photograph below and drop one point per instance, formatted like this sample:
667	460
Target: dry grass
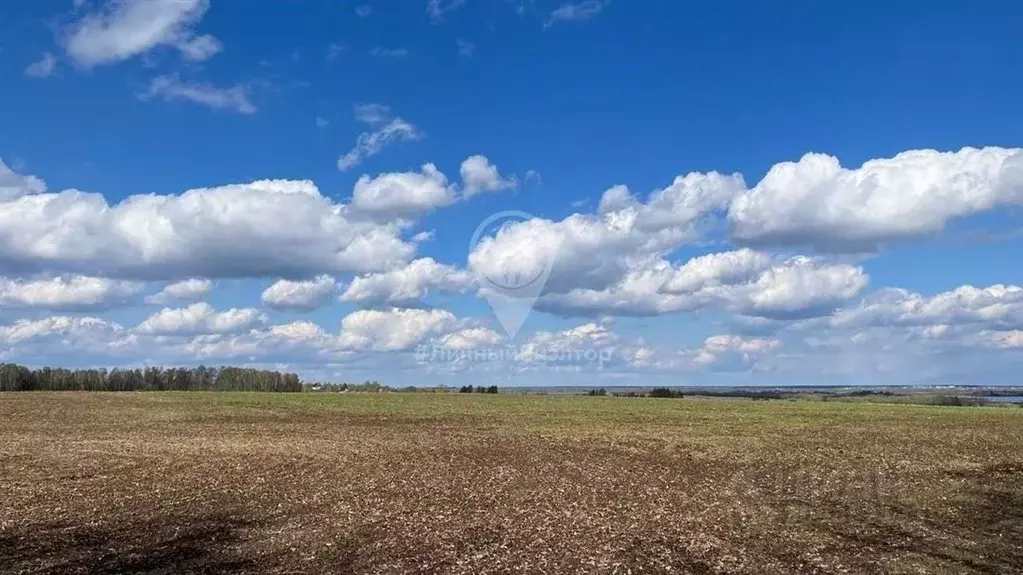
386	483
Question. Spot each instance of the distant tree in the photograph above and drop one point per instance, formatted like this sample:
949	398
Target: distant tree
665	392
950	400
15	377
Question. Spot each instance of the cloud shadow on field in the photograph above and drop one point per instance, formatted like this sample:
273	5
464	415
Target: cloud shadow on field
161	544
983	536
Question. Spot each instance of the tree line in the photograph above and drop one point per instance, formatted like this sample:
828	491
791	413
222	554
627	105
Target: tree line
655	392
477	389
14	377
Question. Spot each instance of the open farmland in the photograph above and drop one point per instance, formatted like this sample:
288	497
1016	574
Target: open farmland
454	483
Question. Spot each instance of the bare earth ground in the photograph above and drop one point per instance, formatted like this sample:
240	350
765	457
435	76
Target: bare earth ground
449	483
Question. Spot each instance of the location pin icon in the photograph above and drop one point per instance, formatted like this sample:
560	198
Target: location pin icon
512	284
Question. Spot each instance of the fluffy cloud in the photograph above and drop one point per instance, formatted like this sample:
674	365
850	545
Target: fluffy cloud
14	185
300	340
621	259
386	129
797	287
402	194
718	353
591	344
997	306
31	337
593	251
199	318
58	293
471	338
89	338
408	195
641	356
719	349
281	228
479	175
185	290
407	285
589	334
813	201
817	202
742	282
171	87
299	295
123	29
717	269
393	329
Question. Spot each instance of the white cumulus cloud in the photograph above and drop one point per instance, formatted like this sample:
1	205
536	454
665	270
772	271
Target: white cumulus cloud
185	290
716	269
281	228
720	348
593	251
402	194
83	330
817	202
479	175
299	295
994	306
407	285
588	344
71	292
300	340
471	338
739	282
199	318
393	329
14	185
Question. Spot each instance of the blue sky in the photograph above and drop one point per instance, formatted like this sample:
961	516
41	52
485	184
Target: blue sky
900	266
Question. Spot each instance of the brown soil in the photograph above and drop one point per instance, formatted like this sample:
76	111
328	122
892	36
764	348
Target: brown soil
389	483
